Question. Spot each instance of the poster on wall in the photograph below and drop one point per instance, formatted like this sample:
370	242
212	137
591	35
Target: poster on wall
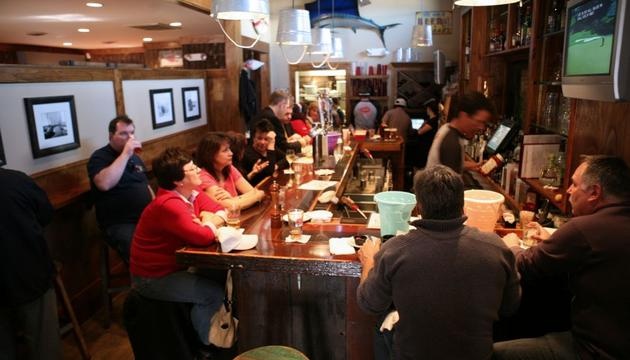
52	124
162	109
190	98
441	21
3	159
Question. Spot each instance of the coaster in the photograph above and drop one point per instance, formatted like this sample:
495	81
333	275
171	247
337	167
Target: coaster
305	238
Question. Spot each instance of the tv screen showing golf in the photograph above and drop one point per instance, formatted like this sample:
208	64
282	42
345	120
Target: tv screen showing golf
591	29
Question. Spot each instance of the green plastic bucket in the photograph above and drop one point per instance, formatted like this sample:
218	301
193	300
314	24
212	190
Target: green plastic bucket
395	209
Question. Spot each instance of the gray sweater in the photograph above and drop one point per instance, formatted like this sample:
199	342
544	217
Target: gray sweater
449	283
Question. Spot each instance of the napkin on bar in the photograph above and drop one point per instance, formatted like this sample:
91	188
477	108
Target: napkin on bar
340	246
390	320
303	240
229	238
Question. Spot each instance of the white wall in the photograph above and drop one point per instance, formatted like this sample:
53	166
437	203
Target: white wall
95	106
382	12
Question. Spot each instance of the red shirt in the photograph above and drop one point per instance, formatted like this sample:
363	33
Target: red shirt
166	225
229	184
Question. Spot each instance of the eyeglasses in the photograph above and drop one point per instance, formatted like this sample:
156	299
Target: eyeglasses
194	168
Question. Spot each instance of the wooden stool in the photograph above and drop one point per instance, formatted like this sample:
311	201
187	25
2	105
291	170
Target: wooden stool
272	352
106	290
67	305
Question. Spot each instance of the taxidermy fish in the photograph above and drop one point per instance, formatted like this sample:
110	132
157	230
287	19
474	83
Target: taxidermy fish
351	22
345	14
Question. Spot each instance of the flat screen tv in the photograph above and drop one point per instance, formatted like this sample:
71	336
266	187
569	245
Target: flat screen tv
596	60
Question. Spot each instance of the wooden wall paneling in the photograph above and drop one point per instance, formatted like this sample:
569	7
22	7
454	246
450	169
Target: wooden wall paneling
152	52
265	83
37	73
216	98
118	55
360	338
231	119
600	128
478	48
535	56
118	93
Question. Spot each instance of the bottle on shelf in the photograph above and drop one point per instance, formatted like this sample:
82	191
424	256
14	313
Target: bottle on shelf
526	26
550	174
553	19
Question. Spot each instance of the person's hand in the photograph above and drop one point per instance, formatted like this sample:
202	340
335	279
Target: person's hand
370	247
259	166
207	216
430	113
540	233
472	165
219	193
131	145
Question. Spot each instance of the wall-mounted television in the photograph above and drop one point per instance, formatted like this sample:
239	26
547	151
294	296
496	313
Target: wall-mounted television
596	62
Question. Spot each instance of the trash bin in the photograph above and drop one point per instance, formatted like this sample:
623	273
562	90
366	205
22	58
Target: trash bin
483	208
395	209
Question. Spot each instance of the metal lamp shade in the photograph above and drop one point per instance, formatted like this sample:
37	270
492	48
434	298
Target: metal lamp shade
294	27
322	42
422	36
483	2
337	48
240	9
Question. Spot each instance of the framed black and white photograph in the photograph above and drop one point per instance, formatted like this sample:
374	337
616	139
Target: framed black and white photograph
3	159
52	124
162	109
192	108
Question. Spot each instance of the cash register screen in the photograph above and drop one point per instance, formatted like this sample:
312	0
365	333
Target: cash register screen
498	139
417	123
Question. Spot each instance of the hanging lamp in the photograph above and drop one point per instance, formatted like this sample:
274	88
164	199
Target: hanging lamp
239	10
484	2
337	44
294	29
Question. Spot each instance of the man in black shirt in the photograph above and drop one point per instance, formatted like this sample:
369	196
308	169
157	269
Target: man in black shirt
119	184
258	161
276	111
28	302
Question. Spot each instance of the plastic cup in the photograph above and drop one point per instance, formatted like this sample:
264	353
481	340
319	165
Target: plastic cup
233	215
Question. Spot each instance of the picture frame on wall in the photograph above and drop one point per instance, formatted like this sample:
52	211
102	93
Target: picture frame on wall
3	159
52	124
162	108
191	103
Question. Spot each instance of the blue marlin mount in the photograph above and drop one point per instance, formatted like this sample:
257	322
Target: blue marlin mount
344	15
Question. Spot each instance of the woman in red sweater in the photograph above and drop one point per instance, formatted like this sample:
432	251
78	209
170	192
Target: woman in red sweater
177	217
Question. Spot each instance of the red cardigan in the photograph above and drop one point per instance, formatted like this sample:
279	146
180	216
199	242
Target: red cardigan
166	225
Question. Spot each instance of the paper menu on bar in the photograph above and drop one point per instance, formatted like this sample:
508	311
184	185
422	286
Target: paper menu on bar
317	185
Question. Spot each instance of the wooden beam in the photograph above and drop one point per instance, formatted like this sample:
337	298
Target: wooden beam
203	6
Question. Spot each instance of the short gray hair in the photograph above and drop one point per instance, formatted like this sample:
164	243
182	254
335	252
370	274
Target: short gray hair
610	172
440	193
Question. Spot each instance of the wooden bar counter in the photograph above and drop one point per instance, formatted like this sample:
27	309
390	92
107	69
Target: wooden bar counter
295	294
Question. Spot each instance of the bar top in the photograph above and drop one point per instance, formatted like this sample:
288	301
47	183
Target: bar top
272	253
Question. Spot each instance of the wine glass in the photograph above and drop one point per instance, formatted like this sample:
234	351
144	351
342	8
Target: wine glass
291	157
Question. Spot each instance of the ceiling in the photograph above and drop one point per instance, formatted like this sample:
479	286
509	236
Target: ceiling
110	26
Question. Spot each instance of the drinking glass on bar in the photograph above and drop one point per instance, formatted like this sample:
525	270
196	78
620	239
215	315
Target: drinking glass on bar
233	214
296	220
291	157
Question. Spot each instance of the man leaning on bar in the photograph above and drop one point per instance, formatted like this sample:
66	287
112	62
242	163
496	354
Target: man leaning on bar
593	250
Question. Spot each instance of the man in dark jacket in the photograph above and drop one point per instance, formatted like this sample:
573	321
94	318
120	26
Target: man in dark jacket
274	113
592	250
448	282
27	303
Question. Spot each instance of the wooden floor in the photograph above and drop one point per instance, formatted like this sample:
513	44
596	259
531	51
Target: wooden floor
102	343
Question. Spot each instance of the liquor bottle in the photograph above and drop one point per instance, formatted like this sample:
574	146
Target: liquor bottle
276	216
495	162
526	26
553	19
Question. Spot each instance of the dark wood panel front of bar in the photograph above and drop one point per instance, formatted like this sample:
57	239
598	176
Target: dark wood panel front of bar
296	294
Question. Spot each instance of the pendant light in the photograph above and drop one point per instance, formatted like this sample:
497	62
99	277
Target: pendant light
294	29
322	42
337	44
484	2
422	35
239	10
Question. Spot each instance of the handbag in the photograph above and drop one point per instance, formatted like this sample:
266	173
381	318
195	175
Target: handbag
223	326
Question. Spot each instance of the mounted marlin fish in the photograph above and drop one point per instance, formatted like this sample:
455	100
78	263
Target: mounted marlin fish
345	14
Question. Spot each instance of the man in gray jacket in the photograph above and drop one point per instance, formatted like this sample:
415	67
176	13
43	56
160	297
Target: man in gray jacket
448	282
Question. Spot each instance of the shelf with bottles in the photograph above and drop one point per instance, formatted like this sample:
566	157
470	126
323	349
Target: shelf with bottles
557	197
554	18
375	85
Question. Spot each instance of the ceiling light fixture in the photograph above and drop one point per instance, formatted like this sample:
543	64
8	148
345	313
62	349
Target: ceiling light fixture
484	2
251	10
294	29
83	30
322	45
94	4
67	44
147	39
175	24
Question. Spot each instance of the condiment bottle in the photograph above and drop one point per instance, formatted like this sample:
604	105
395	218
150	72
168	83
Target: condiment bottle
276	216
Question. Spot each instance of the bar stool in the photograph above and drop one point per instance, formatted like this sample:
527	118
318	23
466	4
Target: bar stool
106	290
272	352
67	305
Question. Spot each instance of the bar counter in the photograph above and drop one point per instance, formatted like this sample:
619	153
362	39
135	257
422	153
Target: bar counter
296	294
